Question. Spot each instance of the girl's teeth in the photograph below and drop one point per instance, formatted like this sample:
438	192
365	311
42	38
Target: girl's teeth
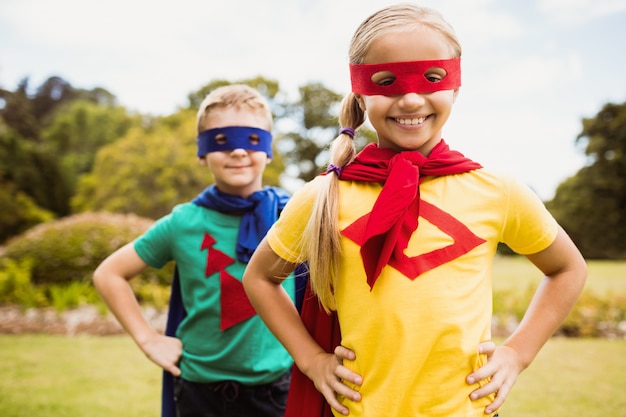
417	121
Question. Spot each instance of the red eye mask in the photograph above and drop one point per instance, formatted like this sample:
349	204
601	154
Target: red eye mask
395	78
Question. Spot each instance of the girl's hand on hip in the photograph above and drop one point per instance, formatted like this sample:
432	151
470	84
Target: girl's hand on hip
328	374
497	376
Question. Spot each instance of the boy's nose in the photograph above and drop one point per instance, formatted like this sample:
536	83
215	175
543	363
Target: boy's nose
238	151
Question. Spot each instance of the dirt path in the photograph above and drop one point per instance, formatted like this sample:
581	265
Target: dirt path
83	320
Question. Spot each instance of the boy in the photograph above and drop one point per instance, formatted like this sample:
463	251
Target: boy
224	360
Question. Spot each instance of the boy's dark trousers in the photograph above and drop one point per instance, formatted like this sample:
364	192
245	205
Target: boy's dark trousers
231	399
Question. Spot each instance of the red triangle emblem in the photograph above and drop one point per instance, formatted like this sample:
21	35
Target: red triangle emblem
412	267
216	260
234	302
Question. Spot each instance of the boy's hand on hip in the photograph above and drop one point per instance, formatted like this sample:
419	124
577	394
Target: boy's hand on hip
165	351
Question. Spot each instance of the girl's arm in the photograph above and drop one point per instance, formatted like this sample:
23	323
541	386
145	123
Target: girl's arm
565	273
262	282
111	280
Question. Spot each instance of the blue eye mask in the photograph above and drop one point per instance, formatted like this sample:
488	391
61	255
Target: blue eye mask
234	137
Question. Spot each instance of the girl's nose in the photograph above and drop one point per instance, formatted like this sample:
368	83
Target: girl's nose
411	100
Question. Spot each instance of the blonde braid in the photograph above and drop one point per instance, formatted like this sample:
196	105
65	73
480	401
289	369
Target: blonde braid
322	235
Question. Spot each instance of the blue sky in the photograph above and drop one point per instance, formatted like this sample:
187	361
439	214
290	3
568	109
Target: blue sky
532	69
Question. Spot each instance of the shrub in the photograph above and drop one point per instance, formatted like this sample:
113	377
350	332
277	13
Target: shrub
72	295
15	284
151	293
595	316
19	212
592	316
69	249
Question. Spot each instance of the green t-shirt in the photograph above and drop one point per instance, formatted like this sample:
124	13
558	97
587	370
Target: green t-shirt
202	243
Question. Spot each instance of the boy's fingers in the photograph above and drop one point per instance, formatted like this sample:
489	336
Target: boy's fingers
175	371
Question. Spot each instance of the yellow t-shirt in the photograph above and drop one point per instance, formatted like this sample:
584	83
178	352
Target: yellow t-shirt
415	334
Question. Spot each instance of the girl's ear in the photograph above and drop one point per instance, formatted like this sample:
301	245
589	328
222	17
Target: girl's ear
359	99
202	161
456	93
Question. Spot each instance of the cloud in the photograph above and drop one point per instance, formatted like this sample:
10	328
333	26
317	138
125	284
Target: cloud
516	76
478	27
580	11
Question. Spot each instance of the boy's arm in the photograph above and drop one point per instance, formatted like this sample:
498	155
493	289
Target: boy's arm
111	280
565	272
262	278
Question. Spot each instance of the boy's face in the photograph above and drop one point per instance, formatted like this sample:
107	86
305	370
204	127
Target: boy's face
238	171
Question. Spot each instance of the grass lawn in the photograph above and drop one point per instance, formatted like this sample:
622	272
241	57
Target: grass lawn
572	377
83	376
517	273
90	376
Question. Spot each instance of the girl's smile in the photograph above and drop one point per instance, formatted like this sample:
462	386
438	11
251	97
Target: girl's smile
412	121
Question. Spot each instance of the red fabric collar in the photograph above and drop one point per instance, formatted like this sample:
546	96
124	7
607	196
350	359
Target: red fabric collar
394	216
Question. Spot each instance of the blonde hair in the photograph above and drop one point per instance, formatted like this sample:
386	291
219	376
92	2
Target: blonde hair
233	95
321	237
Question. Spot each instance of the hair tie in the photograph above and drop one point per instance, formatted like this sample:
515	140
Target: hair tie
348	131
334	168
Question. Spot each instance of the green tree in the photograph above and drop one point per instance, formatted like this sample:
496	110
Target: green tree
150	170
27	113
41	158
270	89
78	130
19	212
27	169
591	204
17	111
313	125
146	172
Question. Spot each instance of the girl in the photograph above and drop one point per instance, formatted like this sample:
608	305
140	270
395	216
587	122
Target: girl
400	241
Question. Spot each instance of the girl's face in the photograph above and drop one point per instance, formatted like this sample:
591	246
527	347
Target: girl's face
238	171
411	121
